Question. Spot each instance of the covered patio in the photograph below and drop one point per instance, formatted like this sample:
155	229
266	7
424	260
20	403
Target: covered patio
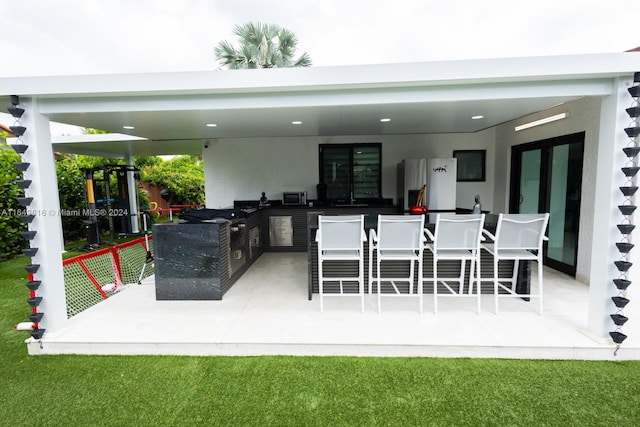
267	312
261	132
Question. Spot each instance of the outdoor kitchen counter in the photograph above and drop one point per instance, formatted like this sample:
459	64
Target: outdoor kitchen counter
202	261
187	261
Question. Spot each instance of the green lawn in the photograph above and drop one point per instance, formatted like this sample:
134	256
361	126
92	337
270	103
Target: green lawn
322	391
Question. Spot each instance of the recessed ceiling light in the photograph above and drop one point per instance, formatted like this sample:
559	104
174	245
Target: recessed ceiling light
212	125
296	122
477	117
385	120
128	127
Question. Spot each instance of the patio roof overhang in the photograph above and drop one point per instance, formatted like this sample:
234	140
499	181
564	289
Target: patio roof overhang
170	111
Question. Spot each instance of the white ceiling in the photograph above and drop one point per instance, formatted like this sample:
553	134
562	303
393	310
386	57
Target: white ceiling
183	131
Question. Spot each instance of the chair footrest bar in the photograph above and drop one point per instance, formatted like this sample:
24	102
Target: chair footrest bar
464	295
399	295
510	295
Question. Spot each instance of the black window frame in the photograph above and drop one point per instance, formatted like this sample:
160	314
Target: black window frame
480	157
353	147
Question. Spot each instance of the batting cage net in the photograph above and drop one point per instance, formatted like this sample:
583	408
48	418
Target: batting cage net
93	277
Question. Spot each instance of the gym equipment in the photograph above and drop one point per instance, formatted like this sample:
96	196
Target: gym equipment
103	202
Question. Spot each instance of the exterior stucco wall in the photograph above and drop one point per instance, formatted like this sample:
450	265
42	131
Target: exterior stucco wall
240	169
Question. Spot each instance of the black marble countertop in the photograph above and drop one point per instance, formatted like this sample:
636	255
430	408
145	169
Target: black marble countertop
312	204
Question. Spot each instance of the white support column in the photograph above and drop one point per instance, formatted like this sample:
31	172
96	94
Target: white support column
132	192
612	138
46	208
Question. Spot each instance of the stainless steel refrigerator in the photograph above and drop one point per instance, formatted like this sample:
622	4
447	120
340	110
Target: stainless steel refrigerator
442	177
439	177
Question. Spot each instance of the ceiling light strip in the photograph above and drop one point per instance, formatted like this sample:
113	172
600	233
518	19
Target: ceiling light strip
541	121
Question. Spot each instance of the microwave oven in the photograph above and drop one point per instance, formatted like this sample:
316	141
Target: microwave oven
294	198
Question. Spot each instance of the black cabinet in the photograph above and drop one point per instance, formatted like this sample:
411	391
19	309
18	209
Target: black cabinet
299	222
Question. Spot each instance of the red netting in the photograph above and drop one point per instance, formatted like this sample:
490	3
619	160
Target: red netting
93	277
132	256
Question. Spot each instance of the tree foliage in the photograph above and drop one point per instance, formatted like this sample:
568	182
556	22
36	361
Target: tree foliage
261	46
92	131
184	175
71	190
142	162
11	242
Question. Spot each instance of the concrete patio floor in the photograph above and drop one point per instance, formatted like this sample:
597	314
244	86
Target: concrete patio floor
267	312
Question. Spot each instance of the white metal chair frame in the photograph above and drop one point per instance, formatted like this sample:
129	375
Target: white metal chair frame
457	238
397	238
341	238
519	237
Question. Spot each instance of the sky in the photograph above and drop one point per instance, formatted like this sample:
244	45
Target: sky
69	37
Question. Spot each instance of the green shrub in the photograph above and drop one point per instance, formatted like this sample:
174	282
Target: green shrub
11	242
71	190
184	175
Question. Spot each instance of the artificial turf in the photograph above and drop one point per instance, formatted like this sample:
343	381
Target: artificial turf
299	391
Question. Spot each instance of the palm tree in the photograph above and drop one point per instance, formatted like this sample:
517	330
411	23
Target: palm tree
261	46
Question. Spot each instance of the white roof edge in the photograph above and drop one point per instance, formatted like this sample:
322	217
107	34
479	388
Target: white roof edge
339	77
97	138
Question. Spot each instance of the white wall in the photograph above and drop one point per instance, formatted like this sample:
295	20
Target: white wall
241	169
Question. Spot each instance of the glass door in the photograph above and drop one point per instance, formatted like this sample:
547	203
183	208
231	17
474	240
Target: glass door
548	178
529	181
563	201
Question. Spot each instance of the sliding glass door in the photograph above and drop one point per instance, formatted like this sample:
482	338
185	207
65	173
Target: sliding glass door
547	177
529	196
